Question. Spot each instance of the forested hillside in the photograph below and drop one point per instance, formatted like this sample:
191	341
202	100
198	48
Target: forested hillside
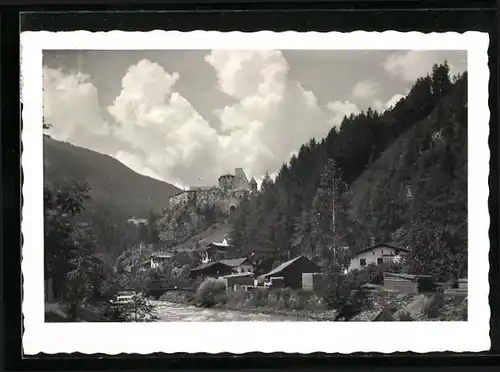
116	193
399	176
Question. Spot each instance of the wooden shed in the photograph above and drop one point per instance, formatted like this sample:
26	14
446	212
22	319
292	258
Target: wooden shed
291	271
408	283
310	281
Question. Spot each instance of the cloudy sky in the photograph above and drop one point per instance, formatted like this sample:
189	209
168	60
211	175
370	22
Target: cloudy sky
186	117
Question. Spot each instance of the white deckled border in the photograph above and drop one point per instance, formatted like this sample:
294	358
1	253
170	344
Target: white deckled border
240	337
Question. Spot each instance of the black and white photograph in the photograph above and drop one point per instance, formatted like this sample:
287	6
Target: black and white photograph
235	187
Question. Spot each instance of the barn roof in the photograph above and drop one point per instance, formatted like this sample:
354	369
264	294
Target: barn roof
390	245
222	245
283	266
234	261
210	264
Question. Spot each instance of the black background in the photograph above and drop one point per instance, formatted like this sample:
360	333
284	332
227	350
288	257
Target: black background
424	16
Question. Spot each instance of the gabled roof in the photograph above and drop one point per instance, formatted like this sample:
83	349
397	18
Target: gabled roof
234	262
390	245
209	264
283	266
221	245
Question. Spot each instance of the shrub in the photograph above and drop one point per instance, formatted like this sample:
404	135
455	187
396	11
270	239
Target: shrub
210	293
464	313
434	306
297	300
237	299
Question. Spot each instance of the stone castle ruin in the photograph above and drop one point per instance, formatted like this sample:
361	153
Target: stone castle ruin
227	195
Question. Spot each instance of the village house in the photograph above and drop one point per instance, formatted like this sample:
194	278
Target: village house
210	270
377	254
239	265
291	271
214	251
157	260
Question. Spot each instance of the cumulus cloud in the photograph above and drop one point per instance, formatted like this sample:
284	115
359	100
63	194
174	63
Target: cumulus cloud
414	64
243	74
340	109
71	106
365	89
393	100
167	134
273	115
144	88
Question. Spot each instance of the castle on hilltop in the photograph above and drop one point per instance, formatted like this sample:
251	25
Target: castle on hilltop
227	195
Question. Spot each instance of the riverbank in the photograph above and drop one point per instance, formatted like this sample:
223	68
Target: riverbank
244	302
380	305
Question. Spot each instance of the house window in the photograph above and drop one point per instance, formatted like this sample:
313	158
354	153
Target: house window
380	260
362	261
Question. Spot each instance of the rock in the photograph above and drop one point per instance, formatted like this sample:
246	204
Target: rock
417	306
385	315
401	297
365	316
403	317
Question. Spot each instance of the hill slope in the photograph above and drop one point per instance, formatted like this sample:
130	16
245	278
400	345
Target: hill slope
117	192
112	183
418	186
398	175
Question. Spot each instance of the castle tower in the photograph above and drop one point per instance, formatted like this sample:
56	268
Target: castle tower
226	182
241	180
253	185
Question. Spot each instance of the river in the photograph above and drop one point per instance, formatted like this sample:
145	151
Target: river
172	312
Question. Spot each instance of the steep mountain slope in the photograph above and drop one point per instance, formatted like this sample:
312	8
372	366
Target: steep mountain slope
215	233
117	193
112	184
397	175
416	192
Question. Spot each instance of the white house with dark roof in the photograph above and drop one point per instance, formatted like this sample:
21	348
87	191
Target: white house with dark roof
157	260
212	250
239	265
376	255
